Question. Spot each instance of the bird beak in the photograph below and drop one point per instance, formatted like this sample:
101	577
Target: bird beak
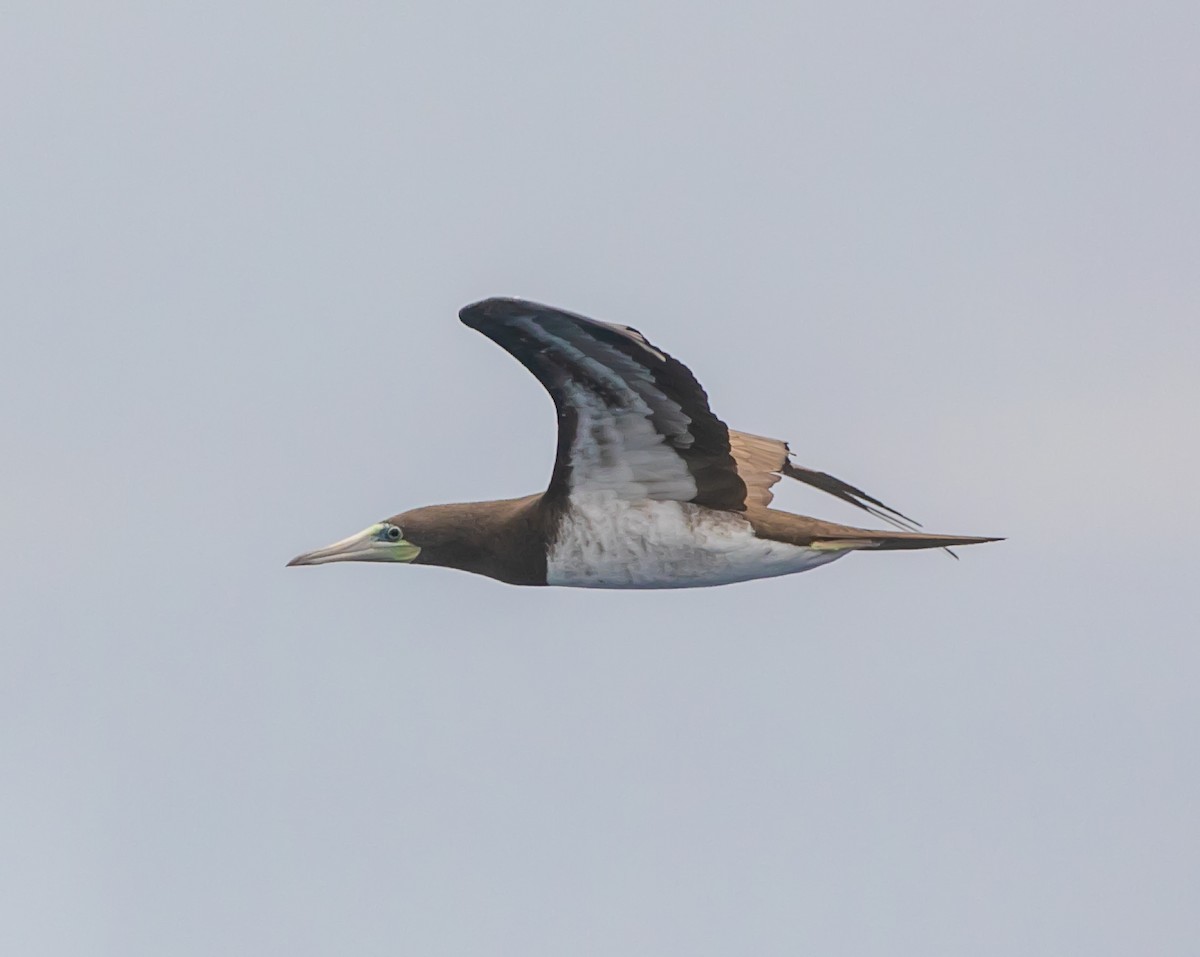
366	546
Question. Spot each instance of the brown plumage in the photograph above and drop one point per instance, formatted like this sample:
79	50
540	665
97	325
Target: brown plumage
505	539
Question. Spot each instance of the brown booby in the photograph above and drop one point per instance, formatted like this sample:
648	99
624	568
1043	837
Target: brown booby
649	488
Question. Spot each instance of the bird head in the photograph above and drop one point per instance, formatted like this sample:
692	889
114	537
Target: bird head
382	542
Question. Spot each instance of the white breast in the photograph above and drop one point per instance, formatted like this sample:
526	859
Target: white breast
607	542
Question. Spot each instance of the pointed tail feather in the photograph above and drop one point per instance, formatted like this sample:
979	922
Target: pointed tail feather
892	541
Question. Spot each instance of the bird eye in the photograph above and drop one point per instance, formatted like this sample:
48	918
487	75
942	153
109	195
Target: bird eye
393	534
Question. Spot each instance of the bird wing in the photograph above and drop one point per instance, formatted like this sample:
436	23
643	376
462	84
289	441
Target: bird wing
631	420
634	421
761	462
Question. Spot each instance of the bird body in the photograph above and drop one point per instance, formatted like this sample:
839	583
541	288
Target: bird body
605	542
649	489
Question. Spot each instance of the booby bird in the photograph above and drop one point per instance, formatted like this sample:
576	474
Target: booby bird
649	488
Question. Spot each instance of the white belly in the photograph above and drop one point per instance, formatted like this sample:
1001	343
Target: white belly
605	542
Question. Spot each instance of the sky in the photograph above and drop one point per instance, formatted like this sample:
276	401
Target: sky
948	251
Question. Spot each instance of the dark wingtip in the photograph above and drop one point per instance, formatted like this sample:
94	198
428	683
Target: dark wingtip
496	307
472	314
850	495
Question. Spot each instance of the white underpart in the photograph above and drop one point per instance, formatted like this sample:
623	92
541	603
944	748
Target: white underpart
606	542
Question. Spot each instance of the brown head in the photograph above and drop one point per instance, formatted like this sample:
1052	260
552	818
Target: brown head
504	540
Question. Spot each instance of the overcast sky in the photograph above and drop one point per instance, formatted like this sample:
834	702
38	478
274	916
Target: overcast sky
949	251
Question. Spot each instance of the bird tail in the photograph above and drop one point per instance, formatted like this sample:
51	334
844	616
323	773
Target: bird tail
893	541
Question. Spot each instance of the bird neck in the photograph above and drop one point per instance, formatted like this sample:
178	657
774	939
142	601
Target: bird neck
505	539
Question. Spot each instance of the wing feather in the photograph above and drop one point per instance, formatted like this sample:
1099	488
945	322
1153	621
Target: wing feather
632	420
762	462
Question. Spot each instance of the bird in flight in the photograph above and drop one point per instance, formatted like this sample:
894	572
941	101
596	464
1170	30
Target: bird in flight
649	488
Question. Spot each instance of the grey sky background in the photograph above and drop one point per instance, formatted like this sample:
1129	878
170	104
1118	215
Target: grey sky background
948	251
